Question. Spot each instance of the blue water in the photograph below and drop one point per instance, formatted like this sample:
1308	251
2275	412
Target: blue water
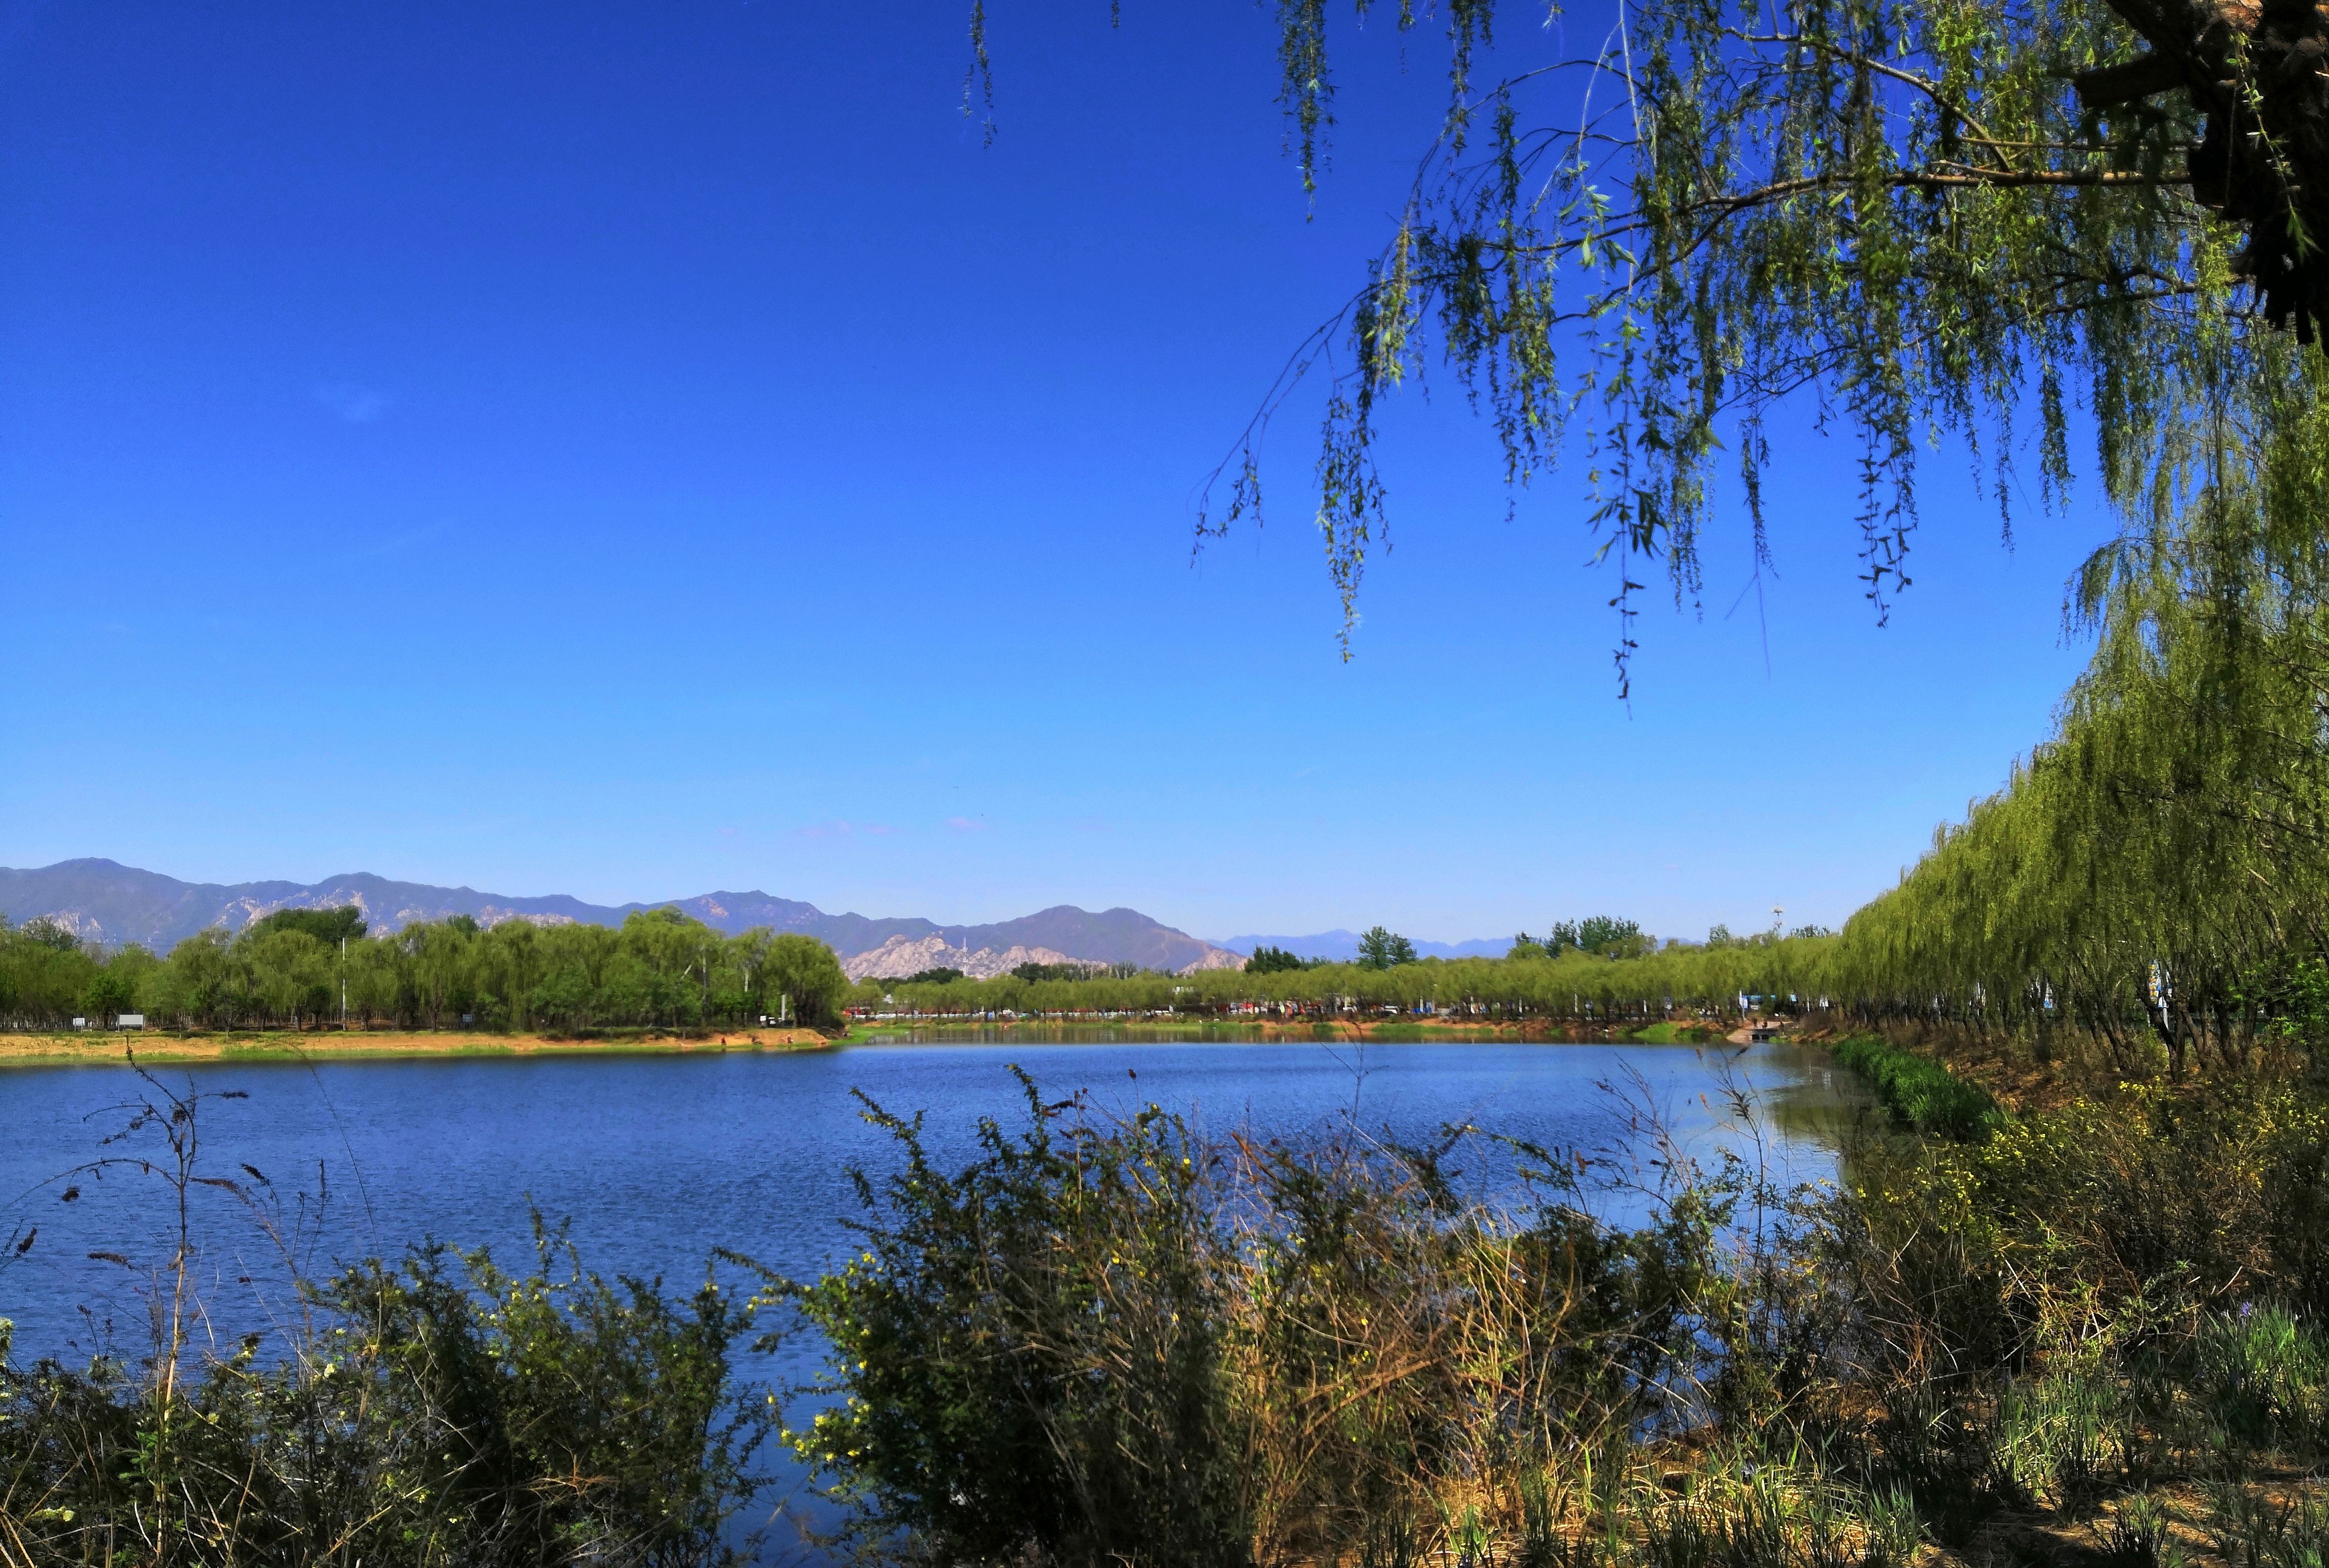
653	1161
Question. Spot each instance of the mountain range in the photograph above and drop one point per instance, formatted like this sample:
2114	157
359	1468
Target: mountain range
103	901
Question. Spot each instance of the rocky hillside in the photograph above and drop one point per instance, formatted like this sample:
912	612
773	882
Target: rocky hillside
105	902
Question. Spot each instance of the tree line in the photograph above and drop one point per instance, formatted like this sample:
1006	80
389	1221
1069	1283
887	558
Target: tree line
305	968
1628	980
2147	888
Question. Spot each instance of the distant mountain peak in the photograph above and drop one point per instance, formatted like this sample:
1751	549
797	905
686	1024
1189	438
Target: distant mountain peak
104	901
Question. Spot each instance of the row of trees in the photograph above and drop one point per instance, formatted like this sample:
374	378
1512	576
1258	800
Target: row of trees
2150	884
1675	982
302	968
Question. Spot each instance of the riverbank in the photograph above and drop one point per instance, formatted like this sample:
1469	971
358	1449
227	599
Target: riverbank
92	1048
943	1029
109	1048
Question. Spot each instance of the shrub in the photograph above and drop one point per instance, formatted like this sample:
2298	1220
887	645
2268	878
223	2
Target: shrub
436	1412
1101	1341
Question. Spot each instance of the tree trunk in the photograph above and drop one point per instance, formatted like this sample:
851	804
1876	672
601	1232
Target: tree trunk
2250	66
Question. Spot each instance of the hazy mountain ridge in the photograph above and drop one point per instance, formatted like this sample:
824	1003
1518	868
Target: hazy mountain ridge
1344	945
107	902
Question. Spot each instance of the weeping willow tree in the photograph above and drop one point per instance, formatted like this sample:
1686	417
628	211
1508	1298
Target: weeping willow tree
2157	876
1960	222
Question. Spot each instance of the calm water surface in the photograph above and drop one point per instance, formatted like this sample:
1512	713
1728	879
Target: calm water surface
655	1161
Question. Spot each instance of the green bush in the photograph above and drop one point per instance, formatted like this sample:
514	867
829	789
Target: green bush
1102	1341
1027	1353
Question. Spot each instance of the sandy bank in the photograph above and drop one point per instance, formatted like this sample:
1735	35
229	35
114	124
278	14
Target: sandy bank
112	1049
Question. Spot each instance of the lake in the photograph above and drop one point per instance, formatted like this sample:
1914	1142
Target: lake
656	1159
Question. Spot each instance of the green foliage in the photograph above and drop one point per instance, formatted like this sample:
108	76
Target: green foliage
1685	983
1352	1363
967	1334
939	976
661	968
45	974
1380	948
1919	1092
805	975
110	991
344	922
437	1413
2145	889
1603	935
2264	1379
1634	254
1269	960
1102	1341
46	933
1675	1034
1610	937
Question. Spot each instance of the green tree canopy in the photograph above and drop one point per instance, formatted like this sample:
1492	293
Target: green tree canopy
1266	960
44	932
1382	949
807	976
1604	935
343	922
1031	973
1609	936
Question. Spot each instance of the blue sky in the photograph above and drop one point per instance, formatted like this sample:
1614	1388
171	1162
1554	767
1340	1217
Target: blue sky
633	450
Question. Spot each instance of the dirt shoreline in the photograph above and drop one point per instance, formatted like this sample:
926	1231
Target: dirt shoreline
113	1049
1303	1031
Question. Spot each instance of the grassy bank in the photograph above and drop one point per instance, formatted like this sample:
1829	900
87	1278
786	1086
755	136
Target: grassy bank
93	1049
1919	1092
1677	1034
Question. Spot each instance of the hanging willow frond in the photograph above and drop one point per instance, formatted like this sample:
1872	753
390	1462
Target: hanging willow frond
1940	220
